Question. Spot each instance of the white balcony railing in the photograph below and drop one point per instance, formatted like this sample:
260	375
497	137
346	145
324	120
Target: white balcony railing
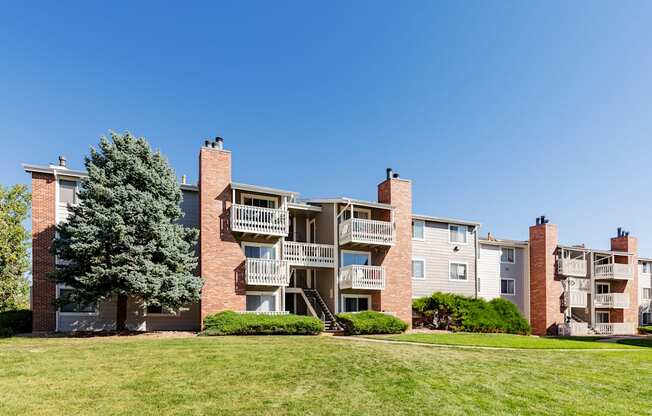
362	277
357	230
612	300
578	298
257	220
620	328
573	329
309	254
264	312
571	267
613	271
267	272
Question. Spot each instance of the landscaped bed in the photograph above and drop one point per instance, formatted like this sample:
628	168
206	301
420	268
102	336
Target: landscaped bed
515	341
279	375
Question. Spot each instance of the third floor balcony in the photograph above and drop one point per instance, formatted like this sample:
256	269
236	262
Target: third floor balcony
364	231
259	220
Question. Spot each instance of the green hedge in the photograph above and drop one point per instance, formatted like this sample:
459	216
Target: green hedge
645	329
232	323
370	322
459	313
15	322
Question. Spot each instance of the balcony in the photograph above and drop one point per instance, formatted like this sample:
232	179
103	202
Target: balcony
577	298
612	300
362	277
614	271
361	231
257	220
267	272
309	254
571	267
620	328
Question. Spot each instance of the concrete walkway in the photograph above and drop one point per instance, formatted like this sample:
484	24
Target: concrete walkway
480	347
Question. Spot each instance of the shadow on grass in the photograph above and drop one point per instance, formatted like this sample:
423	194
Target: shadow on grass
94	334
636	342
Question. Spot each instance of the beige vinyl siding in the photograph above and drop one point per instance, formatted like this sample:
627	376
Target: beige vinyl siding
437	252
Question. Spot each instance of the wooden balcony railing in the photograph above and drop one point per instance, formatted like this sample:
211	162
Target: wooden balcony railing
362	277
621	328
267	272
356	230
612	300
613	271
309	254
257	220
571	267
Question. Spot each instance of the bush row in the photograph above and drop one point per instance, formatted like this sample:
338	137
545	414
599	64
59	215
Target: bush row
370	322
460	313
232	323
15	322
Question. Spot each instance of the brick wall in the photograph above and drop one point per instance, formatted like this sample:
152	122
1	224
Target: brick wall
221	259
629	245
397	296
545	290
43	222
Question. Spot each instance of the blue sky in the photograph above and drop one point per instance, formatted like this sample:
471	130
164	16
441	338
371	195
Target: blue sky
498	111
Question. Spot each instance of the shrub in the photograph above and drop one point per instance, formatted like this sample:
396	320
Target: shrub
15	322
645	329
370	322
460	313
232	323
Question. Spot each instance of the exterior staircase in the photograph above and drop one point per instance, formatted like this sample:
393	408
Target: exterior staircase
320	307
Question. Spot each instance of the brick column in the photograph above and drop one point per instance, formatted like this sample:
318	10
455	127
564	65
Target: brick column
43	222
545	291
397	296
221	261
629	245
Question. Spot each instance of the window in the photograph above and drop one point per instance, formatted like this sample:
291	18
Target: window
259	201
602	317
361	213
601	288
159	310
457	234
458	271
647	293
507	255
646	318
356	303
259	252
418	230
355	257
261	302
74	307
507	287
418	269
646	268
67	192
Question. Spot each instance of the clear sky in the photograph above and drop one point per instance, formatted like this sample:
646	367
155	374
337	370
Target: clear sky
497	111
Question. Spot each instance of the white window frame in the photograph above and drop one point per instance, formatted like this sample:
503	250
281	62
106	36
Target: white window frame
253	244
513	255
256	196
367	253
602	284
423	260
450	263
466	235
274	294
59	312
602	312
501	286
356	296
424	230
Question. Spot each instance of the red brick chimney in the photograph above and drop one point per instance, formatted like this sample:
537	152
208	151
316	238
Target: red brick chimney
545	291
397	296
625	243
221	259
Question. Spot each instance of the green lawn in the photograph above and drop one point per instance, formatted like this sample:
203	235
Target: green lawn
514	341
312	375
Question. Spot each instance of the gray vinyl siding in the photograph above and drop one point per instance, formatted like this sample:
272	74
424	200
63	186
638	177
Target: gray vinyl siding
437	252
190	208
491	271
103	321
515	271
188	318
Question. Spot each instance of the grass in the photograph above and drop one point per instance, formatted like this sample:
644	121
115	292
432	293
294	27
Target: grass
311	375
516	341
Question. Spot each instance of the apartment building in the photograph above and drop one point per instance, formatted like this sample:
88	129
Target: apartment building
266	250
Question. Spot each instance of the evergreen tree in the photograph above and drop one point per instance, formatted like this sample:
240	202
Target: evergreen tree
123	239
14	243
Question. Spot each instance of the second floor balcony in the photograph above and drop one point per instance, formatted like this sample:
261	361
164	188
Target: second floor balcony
259	220
267	272
362	277
363	231
612	300
577	298
572	267
309	254
616	271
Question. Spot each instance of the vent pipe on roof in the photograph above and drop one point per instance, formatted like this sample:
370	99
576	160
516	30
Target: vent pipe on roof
62	161
207	143
219	142
390	173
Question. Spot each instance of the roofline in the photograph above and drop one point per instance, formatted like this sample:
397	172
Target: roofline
508	243
353	201
445	220
262	189
594	250
304	207
53	170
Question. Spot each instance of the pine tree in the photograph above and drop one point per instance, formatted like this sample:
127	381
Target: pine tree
123	238
14	259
